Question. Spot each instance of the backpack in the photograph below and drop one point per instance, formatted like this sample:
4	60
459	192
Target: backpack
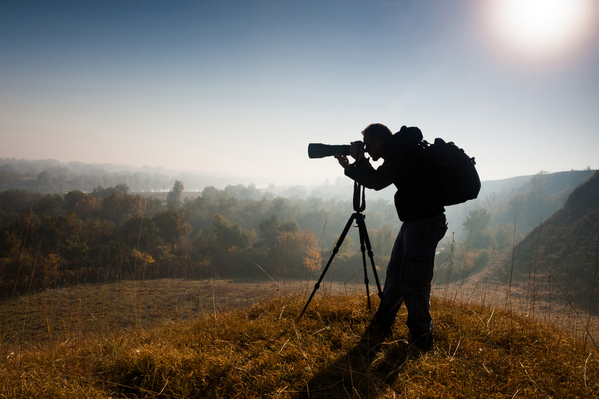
454	172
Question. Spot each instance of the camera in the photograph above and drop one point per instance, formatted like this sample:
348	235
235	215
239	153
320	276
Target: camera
318	150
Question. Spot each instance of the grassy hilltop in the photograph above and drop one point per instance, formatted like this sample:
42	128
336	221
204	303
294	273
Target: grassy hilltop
264	351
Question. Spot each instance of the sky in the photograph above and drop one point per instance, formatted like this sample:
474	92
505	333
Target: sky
242	87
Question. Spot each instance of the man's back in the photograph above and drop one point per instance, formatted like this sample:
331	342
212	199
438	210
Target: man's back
406	165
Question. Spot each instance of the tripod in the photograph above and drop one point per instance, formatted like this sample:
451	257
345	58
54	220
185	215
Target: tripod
359	206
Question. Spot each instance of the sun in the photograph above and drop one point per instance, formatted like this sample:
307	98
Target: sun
539	30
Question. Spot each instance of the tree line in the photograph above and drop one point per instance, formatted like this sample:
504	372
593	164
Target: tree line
108	234
54	177
49	241
51	176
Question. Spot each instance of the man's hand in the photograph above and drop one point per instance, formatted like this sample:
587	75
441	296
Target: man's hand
356	151
343	161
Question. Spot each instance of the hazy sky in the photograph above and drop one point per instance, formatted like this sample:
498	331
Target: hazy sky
242	87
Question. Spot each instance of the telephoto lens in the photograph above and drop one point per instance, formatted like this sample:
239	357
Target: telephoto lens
318	150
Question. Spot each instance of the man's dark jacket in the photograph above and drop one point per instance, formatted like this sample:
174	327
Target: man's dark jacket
405	165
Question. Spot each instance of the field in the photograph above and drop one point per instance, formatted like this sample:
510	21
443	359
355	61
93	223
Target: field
56	315
217	339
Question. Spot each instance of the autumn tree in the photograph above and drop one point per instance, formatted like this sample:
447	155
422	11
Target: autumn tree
229	234
297	254
118	207
173	225
272	226
477	225
382	240
173	199
139	232
72	198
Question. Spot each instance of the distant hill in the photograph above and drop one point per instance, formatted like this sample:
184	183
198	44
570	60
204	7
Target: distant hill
565	245
555	183
532	198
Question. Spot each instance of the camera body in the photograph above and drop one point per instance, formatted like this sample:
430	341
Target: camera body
318	150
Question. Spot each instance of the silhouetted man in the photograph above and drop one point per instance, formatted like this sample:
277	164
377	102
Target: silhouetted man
410	269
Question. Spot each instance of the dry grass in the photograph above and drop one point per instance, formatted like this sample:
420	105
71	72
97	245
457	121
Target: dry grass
56	315
551	308
264	351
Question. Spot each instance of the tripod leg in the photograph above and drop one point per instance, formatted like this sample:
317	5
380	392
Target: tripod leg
364	237
335	250
360	221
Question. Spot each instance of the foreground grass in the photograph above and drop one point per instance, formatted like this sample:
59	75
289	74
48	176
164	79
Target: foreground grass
55	315
264	351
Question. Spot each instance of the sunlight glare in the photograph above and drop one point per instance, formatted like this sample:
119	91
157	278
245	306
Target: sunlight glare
539	30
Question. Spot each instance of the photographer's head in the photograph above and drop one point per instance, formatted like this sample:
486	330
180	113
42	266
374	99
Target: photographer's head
375	135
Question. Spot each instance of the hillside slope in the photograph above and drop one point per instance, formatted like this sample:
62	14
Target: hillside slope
566	245
532	198
266	352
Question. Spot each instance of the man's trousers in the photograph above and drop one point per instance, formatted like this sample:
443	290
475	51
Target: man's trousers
409	275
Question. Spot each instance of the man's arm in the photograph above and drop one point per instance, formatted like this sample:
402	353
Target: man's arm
363	172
